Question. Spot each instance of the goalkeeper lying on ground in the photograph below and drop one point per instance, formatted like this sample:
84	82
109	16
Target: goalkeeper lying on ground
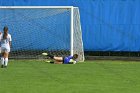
62	60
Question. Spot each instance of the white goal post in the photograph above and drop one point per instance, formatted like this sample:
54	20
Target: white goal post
26	20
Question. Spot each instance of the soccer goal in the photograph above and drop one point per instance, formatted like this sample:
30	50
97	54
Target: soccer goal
37	29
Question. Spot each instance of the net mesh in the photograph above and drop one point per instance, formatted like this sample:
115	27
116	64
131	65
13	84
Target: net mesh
41	30
77	37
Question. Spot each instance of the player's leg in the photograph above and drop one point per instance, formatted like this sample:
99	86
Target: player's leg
2	57
6	54
58	62
2	60
60	59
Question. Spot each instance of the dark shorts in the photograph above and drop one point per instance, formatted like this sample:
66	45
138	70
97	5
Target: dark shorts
63	60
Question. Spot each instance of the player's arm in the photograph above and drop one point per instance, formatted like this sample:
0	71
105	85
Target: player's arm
0	38
10	41
70	57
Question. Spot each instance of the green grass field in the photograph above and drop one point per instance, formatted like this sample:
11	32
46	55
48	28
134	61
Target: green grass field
24	76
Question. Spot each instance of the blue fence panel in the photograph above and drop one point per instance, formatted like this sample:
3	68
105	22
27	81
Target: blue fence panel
107	25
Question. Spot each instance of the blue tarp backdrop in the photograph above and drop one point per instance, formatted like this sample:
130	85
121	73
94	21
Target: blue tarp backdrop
107	25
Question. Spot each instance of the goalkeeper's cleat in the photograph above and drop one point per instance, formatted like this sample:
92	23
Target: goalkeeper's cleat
48	61
44	54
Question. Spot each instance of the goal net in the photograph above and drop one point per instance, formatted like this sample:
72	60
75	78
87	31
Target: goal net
54	29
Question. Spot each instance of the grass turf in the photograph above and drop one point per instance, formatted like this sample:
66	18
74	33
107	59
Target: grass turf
24	76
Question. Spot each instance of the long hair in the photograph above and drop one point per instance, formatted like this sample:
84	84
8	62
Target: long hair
5	29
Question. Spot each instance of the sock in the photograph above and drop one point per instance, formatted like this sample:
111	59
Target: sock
6	61
52	62
51	56
2	60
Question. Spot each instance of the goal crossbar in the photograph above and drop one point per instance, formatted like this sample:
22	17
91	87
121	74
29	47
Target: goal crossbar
63	7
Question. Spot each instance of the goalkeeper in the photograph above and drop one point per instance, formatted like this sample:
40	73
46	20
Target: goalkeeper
62	60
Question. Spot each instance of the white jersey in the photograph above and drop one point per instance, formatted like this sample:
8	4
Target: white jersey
5	42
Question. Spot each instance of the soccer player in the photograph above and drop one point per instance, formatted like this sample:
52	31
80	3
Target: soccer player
62	60
5	40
